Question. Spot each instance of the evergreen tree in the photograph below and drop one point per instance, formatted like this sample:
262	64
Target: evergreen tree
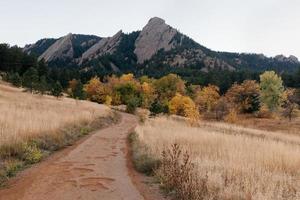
57	89
30	79
42	86
78	92
42	68
15	79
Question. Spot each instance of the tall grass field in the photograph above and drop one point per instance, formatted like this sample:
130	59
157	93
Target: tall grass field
32	125
222	161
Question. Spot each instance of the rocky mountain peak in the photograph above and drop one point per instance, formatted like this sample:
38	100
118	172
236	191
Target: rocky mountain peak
61	49
293	59
155	35
282	58
156	20
104	46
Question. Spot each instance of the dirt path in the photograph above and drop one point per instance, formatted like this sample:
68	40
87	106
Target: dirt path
95	168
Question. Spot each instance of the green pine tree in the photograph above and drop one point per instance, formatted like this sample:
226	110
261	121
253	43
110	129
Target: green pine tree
78	92
30	79
57	89
15	79
42	86
42	68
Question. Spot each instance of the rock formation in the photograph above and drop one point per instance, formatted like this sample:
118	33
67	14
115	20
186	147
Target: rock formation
155	35
61	49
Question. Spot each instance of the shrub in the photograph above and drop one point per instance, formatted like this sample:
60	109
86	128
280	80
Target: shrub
108	100
142	161
221	109
31	153
264	112
158	107
290	105
132	104
231	117
15	79
177	174
11	167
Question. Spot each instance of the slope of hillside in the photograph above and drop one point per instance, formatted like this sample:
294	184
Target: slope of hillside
32	126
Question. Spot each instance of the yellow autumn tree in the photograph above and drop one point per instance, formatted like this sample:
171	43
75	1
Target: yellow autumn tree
95	90
148	94
183	106
207	98
167	87
127	78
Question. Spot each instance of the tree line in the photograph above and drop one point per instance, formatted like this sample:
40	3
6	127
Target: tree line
209	94
170	94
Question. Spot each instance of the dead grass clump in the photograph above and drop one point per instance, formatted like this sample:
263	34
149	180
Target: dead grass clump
142	161
177	175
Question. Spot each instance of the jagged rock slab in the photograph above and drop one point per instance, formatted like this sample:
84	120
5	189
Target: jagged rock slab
39	47
155	35
104	46
61	49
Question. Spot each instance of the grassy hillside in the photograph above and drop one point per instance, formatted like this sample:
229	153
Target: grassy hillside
32	126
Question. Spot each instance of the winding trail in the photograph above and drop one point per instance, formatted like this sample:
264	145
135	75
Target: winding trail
94	168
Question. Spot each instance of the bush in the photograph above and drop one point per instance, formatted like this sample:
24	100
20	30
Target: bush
11	167
108	100
132	104
142	161
31	153
264	112
231	117
177	175
158	107
221	109
15	79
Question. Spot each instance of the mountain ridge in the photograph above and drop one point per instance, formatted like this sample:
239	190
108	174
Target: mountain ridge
156	44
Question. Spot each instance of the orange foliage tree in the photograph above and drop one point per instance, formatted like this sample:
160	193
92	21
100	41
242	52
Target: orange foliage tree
244	97
95	90
207	98
183	106
148	94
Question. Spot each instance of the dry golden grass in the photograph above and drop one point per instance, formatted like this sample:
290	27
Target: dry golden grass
238	163
24	116
276	124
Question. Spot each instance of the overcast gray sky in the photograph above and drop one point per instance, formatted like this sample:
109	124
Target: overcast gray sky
262	26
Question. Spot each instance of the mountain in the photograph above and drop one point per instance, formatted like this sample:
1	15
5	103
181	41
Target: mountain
157	46
66	50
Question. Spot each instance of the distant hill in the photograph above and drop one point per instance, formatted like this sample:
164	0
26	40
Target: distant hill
158	44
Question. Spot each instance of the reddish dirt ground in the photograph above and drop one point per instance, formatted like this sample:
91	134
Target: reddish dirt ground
97	167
